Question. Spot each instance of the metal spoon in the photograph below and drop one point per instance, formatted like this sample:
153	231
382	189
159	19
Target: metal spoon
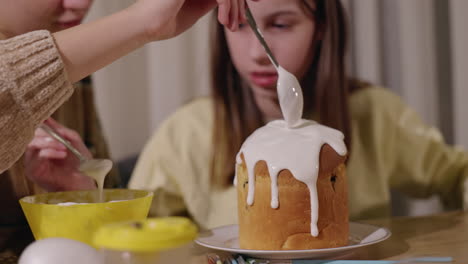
258	33
65	142
94	168
289	89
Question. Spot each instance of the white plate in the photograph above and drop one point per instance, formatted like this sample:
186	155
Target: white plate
225	238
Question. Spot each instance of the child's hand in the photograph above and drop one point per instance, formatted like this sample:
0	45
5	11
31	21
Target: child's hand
165	19
231	13
50	165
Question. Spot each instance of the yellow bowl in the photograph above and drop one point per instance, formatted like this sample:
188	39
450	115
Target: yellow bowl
74	215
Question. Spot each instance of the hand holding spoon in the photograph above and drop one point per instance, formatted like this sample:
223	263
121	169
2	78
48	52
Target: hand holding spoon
94	168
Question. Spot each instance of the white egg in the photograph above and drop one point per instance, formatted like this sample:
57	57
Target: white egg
59	251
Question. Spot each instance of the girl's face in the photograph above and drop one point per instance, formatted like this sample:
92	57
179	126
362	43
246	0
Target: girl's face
288	28
21	16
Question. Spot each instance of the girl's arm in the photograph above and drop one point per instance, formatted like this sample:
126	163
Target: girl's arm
35	80
89	47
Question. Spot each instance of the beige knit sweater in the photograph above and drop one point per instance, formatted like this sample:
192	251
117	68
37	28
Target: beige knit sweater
33	84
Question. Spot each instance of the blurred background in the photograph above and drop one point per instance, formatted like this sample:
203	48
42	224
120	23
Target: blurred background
416	48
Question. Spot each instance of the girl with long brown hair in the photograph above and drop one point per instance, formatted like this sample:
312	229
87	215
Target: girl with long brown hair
189	162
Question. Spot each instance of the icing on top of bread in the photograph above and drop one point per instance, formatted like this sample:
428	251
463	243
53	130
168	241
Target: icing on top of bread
296	149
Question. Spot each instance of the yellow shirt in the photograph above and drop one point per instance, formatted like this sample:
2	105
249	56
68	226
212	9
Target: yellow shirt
392	149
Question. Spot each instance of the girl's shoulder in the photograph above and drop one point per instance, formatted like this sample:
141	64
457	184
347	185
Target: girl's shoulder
373	98
375	105
187	126
191	119
199	109
198	104
362	90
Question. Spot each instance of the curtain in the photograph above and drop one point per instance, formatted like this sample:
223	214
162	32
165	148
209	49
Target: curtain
136	93
415	48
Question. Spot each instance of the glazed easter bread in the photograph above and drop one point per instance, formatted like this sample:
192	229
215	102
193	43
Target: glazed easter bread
288	227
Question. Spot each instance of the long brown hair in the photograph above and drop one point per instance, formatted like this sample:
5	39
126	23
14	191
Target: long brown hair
325	89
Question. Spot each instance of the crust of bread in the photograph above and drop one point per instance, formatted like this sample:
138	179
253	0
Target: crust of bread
288	227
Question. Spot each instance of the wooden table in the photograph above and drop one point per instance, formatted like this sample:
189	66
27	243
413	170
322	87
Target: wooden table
441	235
437	235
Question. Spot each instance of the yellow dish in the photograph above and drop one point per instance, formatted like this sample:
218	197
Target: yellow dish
73	215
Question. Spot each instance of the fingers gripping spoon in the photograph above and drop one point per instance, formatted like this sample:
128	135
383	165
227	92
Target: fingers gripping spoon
94	168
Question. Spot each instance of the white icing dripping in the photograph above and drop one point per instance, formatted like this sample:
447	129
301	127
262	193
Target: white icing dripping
297	150
97	169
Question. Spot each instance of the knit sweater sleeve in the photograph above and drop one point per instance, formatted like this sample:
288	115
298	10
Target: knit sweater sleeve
33	84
